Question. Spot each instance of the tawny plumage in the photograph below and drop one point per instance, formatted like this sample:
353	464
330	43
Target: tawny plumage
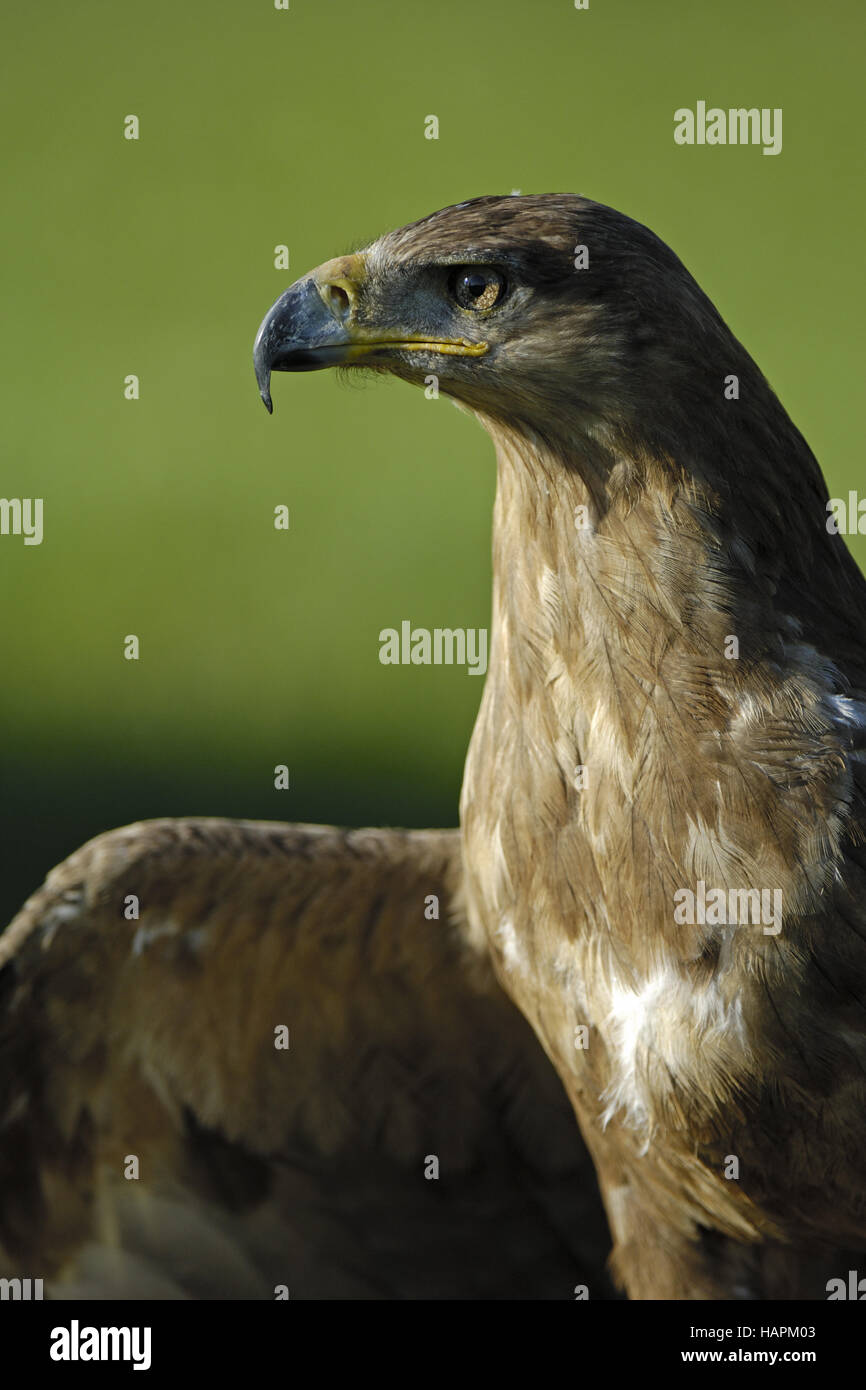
661	851
298	1169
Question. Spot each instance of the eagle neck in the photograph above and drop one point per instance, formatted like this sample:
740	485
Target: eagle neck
637	662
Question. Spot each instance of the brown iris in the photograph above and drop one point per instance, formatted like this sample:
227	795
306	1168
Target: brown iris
477	287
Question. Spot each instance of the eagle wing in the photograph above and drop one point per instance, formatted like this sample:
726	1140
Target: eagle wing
251	1060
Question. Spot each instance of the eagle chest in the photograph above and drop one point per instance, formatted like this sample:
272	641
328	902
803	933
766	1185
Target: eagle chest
633	1028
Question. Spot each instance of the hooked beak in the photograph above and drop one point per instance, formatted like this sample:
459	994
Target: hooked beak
314	325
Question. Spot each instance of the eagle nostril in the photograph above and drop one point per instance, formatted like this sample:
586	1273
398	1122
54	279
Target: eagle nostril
339	302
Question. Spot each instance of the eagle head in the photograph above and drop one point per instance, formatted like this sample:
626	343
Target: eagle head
543	308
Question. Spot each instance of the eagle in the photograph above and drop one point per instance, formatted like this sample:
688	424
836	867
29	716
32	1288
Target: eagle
643	983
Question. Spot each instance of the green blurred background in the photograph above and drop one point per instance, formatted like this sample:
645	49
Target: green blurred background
155	257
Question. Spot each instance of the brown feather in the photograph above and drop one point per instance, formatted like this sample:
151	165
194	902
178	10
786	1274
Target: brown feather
258	1167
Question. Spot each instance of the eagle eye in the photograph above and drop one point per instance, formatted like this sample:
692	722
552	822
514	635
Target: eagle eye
477	287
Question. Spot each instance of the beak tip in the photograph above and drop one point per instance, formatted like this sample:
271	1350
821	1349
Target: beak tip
263	376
